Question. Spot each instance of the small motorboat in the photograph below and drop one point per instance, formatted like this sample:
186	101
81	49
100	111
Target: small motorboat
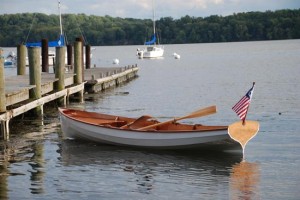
10	60
145	131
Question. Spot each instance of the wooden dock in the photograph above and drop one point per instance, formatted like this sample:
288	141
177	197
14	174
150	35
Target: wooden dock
18	94
97	81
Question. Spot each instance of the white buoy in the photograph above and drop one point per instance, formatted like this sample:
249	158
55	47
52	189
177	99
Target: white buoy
176	56
116	61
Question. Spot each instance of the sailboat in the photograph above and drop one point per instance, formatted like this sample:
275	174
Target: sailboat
151	49
57	43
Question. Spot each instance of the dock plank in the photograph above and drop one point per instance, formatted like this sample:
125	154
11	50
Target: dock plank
17	87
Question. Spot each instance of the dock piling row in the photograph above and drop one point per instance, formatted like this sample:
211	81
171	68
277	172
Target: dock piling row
24	92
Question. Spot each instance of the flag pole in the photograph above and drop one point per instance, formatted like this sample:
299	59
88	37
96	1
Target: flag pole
242	132
248	107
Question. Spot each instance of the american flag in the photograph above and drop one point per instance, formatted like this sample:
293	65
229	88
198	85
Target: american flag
241	107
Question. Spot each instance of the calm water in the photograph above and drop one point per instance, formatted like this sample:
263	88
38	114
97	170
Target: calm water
38	163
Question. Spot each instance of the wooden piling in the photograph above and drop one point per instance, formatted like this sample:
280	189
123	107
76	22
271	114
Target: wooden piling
21	59
80	39
4	131
45	56
78	68
88	56
78	62
35	76
2	86
70	56
60	72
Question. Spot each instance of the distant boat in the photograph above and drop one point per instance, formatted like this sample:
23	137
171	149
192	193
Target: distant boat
10	60
9	63
151	49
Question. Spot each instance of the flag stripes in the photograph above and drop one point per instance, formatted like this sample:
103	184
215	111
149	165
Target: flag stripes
241	107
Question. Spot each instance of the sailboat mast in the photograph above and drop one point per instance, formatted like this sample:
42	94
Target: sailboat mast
153	17
61	32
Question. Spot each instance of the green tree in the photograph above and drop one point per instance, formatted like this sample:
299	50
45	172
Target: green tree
107	30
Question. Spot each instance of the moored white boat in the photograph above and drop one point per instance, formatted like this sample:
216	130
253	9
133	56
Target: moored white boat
152	48
154	51
117	130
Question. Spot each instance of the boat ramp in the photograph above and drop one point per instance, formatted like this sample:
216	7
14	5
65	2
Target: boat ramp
30	92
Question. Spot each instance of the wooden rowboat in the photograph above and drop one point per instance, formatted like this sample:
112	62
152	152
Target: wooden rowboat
144	131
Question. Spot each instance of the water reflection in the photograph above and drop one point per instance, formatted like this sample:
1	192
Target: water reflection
150	170
4	172
23	155
94	168
37	172
245	180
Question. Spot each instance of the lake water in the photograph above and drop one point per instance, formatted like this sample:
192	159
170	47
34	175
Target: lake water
38	163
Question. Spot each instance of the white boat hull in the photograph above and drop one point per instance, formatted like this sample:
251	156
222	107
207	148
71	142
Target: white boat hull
151	52
170	140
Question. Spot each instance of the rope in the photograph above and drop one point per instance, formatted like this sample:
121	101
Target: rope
84	38
30	28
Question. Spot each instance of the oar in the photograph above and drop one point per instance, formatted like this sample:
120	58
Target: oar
199	113
136	122
243	132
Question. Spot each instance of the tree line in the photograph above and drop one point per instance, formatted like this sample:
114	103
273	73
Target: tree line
106	30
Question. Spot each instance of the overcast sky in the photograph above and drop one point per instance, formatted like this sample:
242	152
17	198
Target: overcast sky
143	8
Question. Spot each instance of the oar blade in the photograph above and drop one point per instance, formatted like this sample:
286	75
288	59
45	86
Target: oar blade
243	133
140	122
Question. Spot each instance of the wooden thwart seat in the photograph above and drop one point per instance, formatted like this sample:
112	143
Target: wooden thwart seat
139	122
116	124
